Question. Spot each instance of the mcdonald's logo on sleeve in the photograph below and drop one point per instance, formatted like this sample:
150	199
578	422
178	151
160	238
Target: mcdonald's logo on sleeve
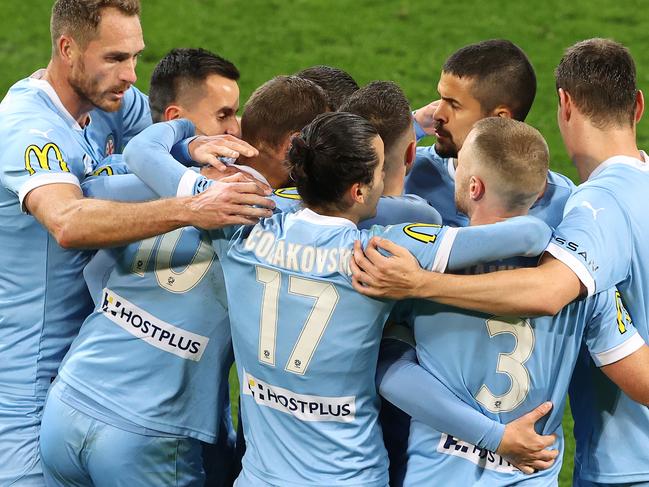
40	156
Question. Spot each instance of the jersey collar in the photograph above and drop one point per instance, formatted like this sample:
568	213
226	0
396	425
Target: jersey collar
253	172
629	161
312	217
36	80
451	167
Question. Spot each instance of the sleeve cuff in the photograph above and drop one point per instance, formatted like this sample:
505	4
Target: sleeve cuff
577	267
187	183
419	131
43	179
618	353
444	250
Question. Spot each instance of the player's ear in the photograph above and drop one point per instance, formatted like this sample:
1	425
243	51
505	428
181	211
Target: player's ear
639	105
476	188
285	145
565	105
356	193
411	153
173	112
66	47
502	111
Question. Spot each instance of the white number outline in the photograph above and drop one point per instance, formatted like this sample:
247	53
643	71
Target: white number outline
511	364
167	278
326	298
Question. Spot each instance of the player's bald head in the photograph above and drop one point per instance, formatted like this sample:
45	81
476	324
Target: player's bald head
80	19
512	158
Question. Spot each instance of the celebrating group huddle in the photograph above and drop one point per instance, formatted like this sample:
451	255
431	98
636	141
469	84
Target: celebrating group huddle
398	315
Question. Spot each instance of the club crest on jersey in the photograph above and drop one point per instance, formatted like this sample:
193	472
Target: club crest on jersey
411	231
302	406
109	146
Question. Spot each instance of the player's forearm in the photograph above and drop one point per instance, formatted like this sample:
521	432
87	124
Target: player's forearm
519	292
90	223
434	404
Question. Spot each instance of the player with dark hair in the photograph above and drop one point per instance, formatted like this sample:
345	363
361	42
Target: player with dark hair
338	84
502	167
492	78
304	323
598	121
185	79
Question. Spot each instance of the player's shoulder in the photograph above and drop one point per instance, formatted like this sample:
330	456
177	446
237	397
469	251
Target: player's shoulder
429	154
561	181
405	208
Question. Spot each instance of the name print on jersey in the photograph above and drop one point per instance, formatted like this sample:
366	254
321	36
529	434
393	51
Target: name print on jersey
297	257
152	330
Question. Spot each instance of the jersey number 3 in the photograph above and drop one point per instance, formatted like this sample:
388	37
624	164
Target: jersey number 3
511	364
326	298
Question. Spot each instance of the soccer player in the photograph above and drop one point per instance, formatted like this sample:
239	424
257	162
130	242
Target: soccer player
523	361
44	154
182	348
337	84
385	106
304	328
599	244
491	78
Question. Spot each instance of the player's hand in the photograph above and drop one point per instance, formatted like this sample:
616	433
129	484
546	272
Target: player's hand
378	276
208	149
425	117
235	200
524	447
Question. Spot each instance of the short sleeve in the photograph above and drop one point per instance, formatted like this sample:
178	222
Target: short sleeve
610	335
35	158
430	243
594	240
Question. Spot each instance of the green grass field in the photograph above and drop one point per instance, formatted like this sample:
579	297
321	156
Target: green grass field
401	40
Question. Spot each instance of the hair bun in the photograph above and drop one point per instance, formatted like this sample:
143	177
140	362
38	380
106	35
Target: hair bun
301	153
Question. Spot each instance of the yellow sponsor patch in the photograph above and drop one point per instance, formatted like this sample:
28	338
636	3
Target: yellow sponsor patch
422	237
288	193
42	157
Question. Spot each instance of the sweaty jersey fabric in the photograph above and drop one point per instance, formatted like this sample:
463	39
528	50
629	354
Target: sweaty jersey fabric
433	178
603	238
504	367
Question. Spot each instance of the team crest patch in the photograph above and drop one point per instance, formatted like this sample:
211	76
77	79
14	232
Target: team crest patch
109	147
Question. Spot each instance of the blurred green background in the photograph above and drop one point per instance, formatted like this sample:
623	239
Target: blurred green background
401	40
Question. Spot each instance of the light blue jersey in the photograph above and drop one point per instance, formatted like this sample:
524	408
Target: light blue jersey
603	239
303	328
433	178
522	363
111	131
164	281
43	299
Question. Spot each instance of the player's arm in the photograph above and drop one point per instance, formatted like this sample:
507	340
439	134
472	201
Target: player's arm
400	275
399	374
150	155
78	222
119	187
617	348
631	374
424	120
